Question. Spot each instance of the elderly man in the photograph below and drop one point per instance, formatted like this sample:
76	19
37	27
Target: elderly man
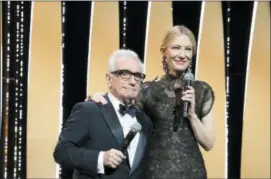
92	138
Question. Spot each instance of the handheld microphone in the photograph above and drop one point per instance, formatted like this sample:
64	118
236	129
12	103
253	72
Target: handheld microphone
188	78
136	127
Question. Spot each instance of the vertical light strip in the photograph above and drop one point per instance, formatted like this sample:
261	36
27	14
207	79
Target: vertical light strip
1	70
227	87
226	128
199	37
16	90
255	5
63	11
89	46
29	60
30	44
7	69
18	104
124	24
147	35
29	57
20	86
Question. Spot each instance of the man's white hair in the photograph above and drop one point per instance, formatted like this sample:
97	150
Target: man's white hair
122	54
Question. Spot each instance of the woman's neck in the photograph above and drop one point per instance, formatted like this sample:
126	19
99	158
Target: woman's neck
176	73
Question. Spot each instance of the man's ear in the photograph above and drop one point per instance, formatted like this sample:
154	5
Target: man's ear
108	79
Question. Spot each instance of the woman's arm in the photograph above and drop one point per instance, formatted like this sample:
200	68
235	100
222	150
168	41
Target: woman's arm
204	130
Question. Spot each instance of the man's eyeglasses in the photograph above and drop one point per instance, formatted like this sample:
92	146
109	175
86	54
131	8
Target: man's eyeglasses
127	74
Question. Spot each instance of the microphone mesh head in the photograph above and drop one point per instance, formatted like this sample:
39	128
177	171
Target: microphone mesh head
189	76
136	127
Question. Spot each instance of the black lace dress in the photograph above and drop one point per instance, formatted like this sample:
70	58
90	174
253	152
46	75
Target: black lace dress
173	154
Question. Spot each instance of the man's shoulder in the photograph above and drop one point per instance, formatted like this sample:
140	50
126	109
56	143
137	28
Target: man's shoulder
89	105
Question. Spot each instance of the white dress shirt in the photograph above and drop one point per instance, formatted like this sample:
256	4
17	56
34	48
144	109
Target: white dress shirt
126	122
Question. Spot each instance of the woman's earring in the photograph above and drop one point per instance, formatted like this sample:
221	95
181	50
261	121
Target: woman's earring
164	62
189	70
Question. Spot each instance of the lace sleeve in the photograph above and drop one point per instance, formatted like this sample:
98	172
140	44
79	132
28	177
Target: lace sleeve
208	100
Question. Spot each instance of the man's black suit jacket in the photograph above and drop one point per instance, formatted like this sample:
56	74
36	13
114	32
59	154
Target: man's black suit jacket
92	128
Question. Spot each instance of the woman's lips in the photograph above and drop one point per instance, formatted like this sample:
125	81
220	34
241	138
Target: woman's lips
180	62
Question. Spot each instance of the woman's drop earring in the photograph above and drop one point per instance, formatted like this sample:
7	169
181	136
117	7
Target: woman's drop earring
164	62
189	70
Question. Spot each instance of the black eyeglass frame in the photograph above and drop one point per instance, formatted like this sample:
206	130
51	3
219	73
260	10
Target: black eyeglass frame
127	74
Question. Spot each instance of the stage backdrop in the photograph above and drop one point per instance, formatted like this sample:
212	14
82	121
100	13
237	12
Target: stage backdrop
45	80
255	161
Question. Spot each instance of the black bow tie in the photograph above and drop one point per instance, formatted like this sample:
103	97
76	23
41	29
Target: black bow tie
125	109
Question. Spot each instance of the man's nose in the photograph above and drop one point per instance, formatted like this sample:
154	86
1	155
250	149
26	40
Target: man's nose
132	80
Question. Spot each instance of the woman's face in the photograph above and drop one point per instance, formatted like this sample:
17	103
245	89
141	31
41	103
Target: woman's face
179	54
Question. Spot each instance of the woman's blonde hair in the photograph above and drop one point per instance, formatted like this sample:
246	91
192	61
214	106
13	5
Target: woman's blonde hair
175	32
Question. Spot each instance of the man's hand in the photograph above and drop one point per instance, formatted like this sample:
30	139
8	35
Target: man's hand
112	158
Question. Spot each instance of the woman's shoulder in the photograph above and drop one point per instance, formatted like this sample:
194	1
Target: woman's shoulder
203	91
152	88
146	94
203	85
151	84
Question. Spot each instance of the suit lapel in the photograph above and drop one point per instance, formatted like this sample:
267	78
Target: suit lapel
141	143
112	120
